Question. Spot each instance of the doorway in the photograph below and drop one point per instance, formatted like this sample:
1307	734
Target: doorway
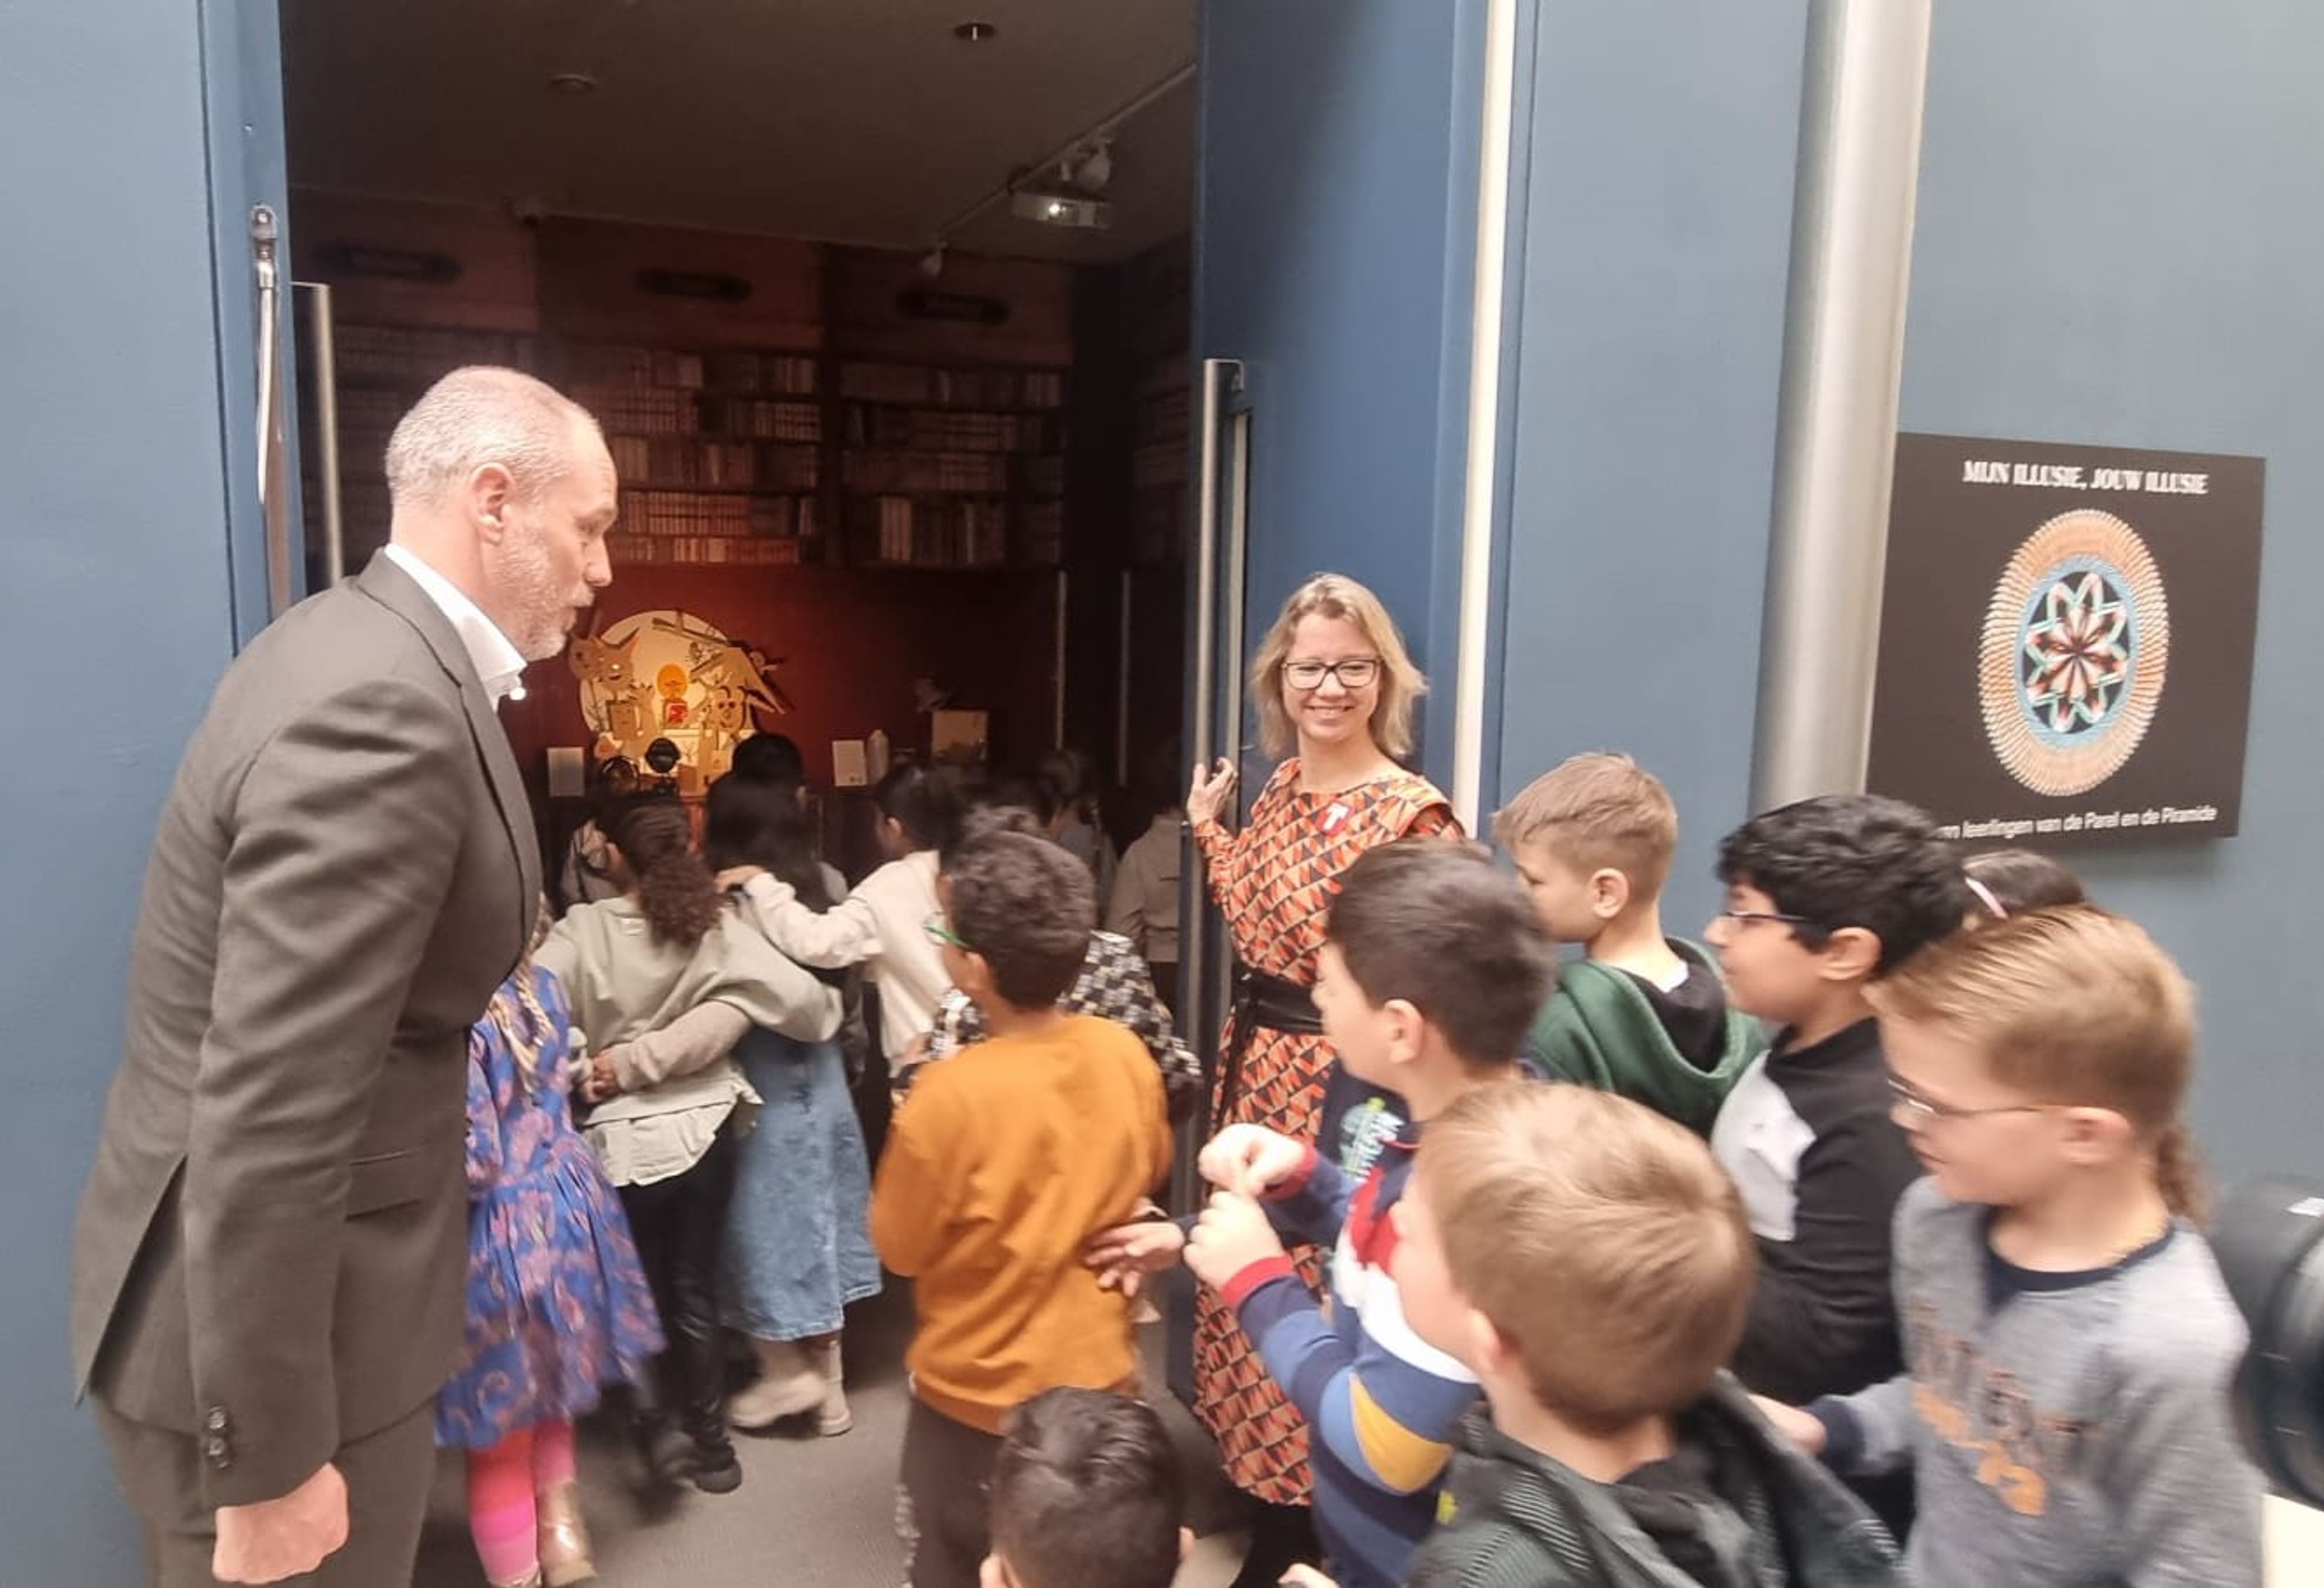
885	313
884	310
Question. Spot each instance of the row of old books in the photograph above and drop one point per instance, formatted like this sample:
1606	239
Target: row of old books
952	429
685	513
743	551
912	385
734	372
932	534
766	465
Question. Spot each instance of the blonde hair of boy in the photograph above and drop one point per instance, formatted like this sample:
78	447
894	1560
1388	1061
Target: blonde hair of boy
1597	812
2073	1006
1601	1240
1401	683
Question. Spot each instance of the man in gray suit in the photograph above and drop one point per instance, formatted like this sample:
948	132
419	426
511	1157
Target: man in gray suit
269	1259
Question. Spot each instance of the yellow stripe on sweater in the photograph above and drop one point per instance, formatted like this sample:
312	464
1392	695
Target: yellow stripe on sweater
1398	1457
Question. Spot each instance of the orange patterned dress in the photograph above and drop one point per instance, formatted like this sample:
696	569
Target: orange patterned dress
1274	882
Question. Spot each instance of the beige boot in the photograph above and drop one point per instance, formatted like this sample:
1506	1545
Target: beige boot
564	1539
834	1418
790	1383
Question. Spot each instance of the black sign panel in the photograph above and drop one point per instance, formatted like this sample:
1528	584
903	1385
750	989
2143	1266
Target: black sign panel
2066	640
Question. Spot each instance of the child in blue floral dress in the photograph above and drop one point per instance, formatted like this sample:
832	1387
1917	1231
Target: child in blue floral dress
557	1304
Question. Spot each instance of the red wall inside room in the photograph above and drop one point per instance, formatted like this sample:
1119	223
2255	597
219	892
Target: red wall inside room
853	640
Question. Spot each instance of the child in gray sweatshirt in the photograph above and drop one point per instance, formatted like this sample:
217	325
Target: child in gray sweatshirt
2068	1341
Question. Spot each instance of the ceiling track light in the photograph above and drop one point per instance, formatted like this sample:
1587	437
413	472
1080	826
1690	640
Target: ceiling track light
1090	167
932	263
1061	209
1089	152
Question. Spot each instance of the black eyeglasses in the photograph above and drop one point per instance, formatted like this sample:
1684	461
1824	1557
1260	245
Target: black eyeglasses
1927	1111
1744	917
1354	673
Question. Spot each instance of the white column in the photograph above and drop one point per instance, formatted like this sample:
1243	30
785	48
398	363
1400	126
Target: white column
1487	303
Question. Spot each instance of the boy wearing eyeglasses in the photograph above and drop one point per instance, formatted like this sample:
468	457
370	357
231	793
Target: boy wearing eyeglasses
1823	897
1000	1161
2065	1408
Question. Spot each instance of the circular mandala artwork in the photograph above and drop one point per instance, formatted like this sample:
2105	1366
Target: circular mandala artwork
2077	642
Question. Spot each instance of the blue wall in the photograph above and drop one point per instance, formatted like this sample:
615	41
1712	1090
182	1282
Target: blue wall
1335	240
2117	242
1659	157
113	559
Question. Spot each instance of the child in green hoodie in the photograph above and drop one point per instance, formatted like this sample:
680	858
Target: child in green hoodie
1644	1015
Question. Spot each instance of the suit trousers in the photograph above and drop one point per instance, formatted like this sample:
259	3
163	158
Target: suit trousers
388	1474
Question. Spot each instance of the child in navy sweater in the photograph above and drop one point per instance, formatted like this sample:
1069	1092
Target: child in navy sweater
1432	970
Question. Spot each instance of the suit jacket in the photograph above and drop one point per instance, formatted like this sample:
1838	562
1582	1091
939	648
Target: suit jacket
271	1248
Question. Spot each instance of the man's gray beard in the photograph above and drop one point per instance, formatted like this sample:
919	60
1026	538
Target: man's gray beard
528	589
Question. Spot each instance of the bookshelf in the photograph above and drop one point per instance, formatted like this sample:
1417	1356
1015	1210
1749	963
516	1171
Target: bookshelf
767	402
383	370
720	451
952	466
1160	439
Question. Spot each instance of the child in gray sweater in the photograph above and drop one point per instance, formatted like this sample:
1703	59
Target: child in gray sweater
2069	1344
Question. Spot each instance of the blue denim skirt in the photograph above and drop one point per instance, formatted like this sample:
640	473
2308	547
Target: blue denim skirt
799	1238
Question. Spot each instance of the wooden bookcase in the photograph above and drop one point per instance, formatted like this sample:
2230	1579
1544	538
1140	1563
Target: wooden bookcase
720	451
767	402
952	466
1156	306
1161	435
865	471
382	369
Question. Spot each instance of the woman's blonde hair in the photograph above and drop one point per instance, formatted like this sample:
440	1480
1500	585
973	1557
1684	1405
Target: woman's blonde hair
1401	684
2076	1007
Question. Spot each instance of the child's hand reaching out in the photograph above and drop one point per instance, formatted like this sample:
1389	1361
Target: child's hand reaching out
1801	1429
1251	1159
1124	1255
1233	1234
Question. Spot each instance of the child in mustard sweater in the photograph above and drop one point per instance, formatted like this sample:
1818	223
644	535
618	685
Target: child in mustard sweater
1000	1163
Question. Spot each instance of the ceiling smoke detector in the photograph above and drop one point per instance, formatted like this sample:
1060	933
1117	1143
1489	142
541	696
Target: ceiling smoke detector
573	82
1075	210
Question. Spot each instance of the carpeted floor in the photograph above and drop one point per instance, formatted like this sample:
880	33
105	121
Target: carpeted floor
811	1513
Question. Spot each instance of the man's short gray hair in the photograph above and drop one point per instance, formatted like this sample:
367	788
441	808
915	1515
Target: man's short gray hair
477	416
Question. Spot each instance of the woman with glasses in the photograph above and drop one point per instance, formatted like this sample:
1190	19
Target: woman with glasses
1335	687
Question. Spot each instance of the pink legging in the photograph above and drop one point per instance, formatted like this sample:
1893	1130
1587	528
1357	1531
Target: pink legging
501	1483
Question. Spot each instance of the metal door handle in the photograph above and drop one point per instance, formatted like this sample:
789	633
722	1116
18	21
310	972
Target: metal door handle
322	344
1194	932
273	498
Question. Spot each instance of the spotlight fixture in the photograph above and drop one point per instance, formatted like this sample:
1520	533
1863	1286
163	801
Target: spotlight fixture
932	263
1090	167
976	33
1075	210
